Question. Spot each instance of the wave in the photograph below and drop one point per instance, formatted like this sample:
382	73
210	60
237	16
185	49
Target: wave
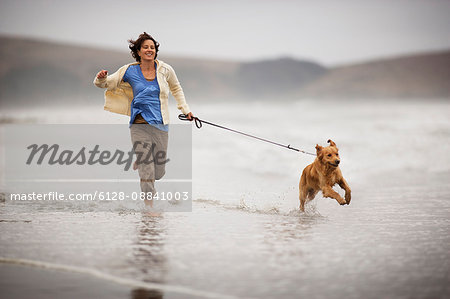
119	280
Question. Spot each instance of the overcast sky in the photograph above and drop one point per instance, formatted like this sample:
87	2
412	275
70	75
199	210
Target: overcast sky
331	32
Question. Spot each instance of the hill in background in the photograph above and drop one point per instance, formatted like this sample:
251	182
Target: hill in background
36	73
421	76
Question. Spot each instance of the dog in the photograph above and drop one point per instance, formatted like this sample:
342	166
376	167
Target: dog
322	175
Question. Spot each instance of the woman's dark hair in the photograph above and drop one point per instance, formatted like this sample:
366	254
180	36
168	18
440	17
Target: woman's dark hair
135	45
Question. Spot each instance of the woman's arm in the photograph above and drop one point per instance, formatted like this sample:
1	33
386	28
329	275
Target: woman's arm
103	80
177	92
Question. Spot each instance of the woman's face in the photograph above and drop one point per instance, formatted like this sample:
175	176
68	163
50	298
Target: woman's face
147	50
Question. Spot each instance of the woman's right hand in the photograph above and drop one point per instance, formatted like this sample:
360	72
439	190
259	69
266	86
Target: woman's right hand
102	74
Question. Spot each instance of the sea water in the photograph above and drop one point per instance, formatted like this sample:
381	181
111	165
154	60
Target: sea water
245	237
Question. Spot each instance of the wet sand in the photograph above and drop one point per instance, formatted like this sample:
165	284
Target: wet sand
23	282
28	282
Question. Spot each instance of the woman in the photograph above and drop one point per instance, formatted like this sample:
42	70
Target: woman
141	90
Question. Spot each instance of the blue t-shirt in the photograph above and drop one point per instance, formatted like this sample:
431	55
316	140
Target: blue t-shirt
146	97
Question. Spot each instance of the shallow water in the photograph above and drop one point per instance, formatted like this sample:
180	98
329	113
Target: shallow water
245	236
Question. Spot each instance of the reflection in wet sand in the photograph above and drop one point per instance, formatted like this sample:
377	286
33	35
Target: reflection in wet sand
148	254
146	294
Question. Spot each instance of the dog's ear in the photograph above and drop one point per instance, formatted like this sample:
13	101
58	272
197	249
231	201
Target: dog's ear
318	149
331	142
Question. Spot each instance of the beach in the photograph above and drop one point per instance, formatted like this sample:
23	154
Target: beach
244	236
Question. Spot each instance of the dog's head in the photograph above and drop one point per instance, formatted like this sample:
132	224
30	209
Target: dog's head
328	155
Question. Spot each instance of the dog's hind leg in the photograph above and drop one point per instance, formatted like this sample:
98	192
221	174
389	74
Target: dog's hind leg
302	194
302	198
311	194
305	196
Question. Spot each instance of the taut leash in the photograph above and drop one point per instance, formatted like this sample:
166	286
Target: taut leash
199	123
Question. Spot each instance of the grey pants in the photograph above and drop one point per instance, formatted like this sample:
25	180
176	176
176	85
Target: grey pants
150	148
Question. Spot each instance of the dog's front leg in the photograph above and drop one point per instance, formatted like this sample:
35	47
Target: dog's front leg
329	192
348	192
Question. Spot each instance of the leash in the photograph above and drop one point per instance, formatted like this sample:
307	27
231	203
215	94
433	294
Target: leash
199	123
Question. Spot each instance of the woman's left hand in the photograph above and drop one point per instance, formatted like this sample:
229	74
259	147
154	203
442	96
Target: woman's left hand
190	116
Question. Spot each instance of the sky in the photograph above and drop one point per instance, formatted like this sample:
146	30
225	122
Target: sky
331	32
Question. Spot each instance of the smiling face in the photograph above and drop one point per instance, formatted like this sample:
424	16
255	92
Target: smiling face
147	50
329	155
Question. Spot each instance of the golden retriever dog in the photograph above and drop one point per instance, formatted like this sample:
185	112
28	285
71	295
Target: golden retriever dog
322	175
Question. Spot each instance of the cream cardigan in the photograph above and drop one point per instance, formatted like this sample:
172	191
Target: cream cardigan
119	94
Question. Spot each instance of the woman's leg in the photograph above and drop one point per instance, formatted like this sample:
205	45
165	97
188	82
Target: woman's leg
160	141
142	144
